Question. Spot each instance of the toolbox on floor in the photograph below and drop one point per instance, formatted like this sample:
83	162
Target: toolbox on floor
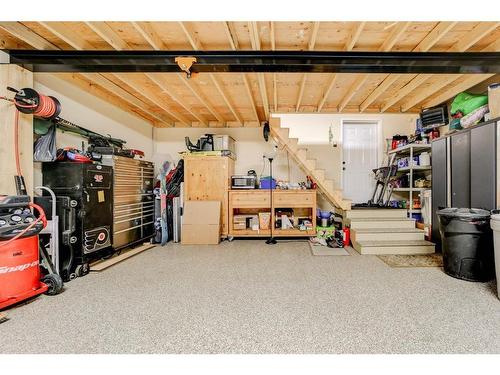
90	190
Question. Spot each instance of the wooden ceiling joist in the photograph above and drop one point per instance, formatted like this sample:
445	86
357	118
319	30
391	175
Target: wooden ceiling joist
354	36
149	34
326	93
396	33
231	35
226	99
275	92
475	35
250	96
20	31
355	87
253	29
108	34
436	34
310	47
301	92
69	36
272	32
404	91
233	41
379	90
263	94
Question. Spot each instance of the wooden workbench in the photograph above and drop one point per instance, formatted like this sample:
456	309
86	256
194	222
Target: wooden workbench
254	201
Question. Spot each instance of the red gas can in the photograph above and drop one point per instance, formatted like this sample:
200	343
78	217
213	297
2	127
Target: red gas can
347	236
19	271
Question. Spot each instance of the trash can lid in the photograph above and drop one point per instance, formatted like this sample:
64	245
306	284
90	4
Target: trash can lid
465	213
495	217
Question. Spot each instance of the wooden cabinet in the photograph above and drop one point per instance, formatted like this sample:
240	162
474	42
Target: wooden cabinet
253	202
208	178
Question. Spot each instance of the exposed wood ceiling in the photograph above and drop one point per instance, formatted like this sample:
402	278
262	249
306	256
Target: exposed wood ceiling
234	99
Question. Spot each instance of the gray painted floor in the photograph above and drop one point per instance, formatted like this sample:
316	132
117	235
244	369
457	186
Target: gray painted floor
247	297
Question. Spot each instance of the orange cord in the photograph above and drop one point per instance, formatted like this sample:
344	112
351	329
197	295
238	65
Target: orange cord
16	142
41	218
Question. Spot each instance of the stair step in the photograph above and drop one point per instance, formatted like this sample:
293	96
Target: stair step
301	154
394	247
380	234
310	164
293	144
381	223
319	174
376	213
328	184
283	133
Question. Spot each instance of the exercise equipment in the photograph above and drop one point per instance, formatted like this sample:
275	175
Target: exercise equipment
383	176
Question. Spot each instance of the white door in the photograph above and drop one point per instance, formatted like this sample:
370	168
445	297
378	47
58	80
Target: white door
360	154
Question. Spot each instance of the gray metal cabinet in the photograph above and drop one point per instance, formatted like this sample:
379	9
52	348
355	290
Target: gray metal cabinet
465	170
483	167
460	169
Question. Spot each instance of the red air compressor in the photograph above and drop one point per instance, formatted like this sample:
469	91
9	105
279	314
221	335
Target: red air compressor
19	255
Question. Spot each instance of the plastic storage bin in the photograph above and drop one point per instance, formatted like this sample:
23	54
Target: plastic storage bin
495	225
467	243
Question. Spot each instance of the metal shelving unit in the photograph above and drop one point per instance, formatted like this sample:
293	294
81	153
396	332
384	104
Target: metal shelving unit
411	150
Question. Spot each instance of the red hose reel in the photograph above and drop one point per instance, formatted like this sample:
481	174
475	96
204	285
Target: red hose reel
30	101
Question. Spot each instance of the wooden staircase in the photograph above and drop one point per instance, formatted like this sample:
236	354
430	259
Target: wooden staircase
385	231
308	165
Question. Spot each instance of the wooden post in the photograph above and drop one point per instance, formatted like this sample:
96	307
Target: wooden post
17	77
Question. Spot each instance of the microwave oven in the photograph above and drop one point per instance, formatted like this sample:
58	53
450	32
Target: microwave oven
243	182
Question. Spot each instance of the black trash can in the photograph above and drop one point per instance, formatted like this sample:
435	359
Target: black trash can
467	241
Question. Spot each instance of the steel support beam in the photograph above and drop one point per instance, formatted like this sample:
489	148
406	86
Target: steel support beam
259	61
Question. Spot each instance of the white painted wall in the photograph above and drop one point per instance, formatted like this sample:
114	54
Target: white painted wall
94	114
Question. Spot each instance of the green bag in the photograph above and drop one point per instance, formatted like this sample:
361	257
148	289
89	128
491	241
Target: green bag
467	103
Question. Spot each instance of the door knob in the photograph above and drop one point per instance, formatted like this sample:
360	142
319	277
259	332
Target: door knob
343	162
343	168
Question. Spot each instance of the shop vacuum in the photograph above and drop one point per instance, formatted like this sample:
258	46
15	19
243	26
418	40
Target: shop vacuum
19	253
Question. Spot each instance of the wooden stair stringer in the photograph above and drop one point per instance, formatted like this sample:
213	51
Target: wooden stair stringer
300	156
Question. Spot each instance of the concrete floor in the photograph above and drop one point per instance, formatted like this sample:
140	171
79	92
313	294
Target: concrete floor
247	297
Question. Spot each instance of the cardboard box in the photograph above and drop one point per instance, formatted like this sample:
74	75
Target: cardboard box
264	220
201	223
